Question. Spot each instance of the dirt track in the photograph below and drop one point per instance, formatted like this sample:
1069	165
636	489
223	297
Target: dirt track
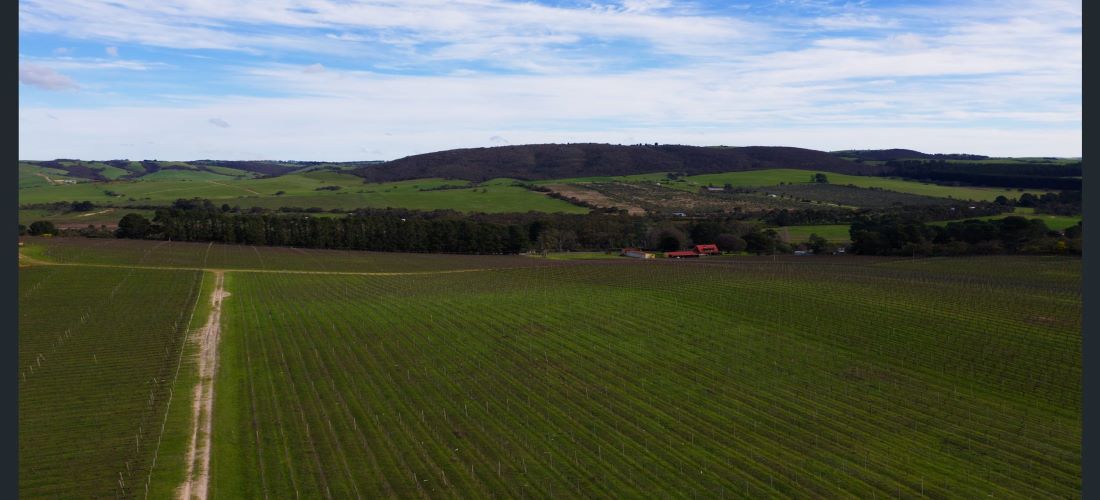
202	407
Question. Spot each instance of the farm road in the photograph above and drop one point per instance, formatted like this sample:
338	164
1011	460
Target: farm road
202	405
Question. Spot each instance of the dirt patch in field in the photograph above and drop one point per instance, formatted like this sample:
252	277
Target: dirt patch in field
89	214
197	480
593	197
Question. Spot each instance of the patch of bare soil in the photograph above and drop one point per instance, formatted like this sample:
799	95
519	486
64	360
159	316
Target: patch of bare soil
594	197
197	480
89	214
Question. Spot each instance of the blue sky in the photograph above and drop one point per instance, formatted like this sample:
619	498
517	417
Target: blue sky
347	80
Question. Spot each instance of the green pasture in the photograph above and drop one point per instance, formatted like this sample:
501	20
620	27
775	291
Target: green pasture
759	178
839	233
834	233
301	190
95	217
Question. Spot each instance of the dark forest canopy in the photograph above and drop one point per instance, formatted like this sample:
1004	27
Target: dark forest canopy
899	154
442	231
1065	176
560	161
891	235
450	232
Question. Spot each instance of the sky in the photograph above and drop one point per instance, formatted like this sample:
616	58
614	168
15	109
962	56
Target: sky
345	80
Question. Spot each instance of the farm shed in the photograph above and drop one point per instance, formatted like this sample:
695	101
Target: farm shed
707	249
636	253
680	255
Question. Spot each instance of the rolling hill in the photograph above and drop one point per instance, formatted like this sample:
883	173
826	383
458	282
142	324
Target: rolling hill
555	161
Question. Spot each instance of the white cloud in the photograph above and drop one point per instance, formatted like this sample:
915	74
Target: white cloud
94	63
218	122
274	131
44	78
111	51
934	77
849	21
209	25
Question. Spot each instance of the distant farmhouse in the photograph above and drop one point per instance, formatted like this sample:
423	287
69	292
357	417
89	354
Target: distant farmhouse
709	249
696	251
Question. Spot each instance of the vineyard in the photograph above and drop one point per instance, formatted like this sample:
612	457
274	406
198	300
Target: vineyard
99	351
706	380
174	254
521	377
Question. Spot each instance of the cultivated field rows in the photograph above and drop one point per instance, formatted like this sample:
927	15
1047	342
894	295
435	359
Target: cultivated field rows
804	377
98	352
592	379
228	257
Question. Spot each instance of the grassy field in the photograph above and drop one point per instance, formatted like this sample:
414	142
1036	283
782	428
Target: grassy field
775	176
1055	222
741	376
31	176
96	217
98	353
297	190
314	188
834	233
839	233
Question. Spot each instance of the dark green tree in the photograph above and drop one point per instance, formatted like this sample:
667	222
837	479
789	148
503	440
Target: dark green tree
40	227
818	244
731	243
133	226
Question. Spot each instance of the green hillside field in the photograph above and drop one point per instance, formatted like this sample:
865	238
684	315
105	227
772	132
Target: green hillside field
772	177
300	190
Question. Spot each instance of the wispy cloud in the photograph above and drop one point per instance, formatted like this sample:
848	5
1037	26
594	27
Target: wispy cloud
66	63
426	74
456	26
218	122
44	78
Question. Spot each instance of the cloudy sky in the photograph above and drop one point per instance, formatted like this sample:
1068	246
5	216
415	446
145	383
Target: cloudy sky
361	80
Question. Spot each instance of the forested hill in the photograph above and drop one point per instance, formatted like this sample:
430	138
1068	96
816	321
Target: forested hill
560	161
901	154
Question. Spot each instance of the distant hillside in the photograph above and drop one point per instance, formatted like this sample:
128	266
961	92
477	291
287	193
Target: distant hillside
127	170
900	154
559	161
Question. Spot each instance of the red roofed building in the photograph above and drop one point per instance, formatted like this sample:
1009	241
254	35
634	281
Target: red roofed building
710	249
680	255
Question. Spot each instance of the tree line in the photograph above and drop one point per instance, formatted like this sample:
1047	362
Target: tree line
1013	234
400	230
1011	175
